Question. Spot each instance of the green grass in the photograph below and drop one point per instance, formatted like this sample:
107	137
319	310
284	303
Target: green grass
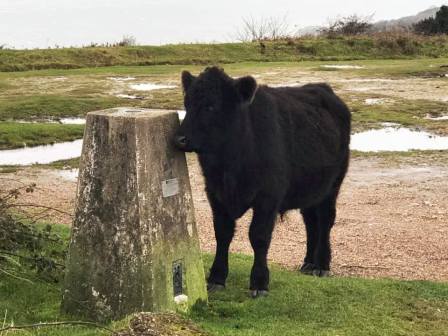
62	164
16	135
376	67
44	106
393	68
297	305
342	48
301	305
409	113
88	89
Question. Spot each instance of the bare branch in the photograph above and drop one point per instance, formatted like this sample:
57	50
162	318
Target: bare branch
265	28
26	258
16	277
31	205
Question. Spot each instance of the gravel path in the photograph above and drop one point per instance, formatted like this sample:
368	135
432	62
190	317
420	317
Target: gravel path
392	221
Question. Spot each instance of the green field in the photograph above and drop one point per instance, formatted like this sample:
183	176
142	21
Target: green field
37	95
16	135
297	304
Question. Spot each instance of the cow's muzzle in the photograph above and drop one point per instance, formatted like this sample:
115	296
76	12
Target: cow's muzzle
182	143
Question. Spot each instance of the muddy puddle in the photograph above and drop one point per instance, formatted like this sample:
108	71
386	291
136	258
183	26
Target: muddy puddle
49	153
72	121
65	121
70	175
126	96
375	101
151	86
392	138
429	117
341	66
41	154
121	79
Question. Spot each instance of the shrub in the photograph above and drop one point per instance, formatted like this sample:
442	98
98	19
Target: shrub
21	242
348	26
434	25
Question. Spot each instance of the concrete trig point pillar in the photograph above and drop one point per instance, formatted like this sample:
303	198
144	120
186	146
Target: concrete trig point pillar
134	245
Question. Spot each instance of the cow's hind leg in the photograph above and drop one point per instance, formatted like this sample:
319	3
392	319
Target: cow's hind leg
260	234
326	215
224	229
311	224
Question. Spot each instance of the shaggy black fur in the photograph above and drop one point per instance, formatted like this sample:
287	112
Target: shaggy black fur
269	149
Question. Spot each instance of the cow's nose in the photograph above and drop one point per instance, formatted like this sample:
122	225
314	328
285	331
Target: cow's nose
181	141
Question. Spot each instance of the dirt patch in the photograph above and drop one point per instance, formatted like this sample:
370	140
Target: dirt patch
412	88
392	222
166	324
392	219
52	190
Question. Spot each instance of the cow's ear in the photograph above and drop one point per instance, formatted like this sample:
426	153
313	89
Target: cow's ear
246	87
187	79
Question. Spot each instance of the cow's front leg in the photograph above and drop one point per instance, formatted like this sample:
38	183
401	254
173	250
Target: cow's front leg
224	229
260	234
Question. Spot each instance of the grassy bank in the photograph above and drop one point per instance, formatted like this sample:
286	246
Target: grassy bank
16	135
381	46
408	113
297	305
51	106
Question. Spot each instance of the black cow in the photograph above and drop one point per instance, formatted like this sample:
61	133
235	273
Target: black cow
269	149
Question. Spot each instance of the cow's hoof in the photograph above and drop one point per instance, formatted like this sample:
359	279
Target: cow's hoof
214	287
321	273
257	293
307	268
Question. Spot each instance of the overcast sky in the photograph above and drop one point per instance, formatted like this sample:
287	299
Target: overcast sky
43	23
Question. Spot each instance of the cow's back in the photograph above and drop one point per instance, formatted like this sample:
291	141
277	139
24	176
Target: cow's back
306	130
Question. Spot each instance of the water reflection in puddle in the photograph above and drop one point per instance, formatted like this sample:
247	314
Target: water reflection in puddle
68	174
121	79
338	66
397	139
429	117
125	96
389	138
41	154
374	101
151	86
66	121
48	153
72	121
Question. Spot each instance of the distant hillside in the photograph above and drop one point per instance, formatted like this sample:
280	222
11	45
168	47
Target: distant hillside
406	22
403	23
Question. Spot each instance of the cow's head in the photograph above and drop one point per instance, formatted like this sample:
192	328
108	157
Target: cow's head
213	103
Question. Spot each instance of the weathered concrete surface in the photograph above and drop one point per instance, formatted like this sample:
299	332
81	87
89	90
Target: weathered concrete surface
134	220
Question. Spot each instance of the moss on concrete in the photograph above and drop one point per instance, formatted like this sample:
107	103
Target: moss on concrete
127	233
